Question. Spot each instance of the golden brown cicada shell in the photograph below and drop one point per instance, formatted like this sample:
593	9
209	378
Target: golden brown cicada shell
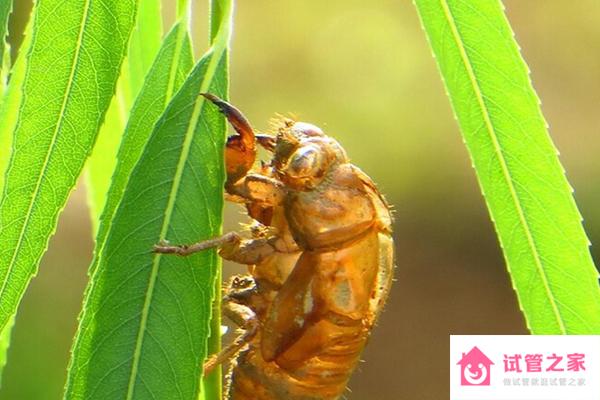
320	259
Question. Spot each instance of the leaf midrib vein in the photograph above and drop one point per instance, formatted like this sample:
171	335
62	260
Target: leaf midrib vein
179	42
498	150
75	64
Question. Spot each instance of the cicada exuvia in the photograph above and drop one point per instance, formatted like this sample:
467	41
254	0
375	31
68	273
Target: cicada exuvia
319	256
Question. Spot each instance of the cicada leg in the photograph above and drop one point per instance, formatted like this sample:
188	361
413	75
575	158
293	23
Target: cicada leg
186	250
246	319
240	152
231	247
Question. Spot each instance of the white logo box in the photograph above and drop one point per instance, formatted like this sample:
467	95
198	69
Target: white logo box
537	357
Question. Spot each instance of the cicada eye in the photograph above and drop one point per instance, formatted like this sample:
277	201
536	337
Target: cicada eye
306	162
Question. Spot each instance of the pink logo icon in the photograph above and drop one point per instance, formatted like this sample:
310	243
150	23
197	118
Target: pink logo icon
475	368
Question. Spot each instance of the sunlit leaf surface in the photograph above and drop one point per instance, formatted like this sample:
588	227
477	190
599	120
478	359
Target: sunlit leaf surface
172	65
143	46
11	99
5	9
524	185
146	316
70	75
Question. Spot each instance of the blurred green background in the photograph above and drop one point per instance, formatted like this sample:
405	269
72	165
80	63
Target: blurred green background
364	72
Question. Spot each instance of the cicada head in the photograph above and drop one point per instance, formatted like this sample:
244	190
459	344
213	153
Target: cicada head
304	155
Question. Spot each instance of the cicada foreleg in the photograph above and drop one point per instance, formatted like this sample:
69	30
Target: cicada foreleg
240	151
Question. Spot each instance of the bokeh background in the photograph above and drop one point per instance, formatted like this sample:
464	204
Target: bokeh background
364	72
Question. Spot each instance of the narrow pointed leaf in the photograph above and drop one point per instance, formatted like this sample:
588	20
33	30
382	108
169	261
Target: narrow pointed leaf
70	74
146	316
172	64
143	47
11	99
5	10
212	384
528	196
101	163
5	343
170	69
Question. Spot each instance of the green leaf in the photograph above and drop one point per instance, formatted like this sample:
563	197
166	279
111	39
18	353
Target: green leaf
212	384
183	8
5	343
101	163
11	99
70	76
11	102
528	196
145	322
5	10
166	76
143	45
